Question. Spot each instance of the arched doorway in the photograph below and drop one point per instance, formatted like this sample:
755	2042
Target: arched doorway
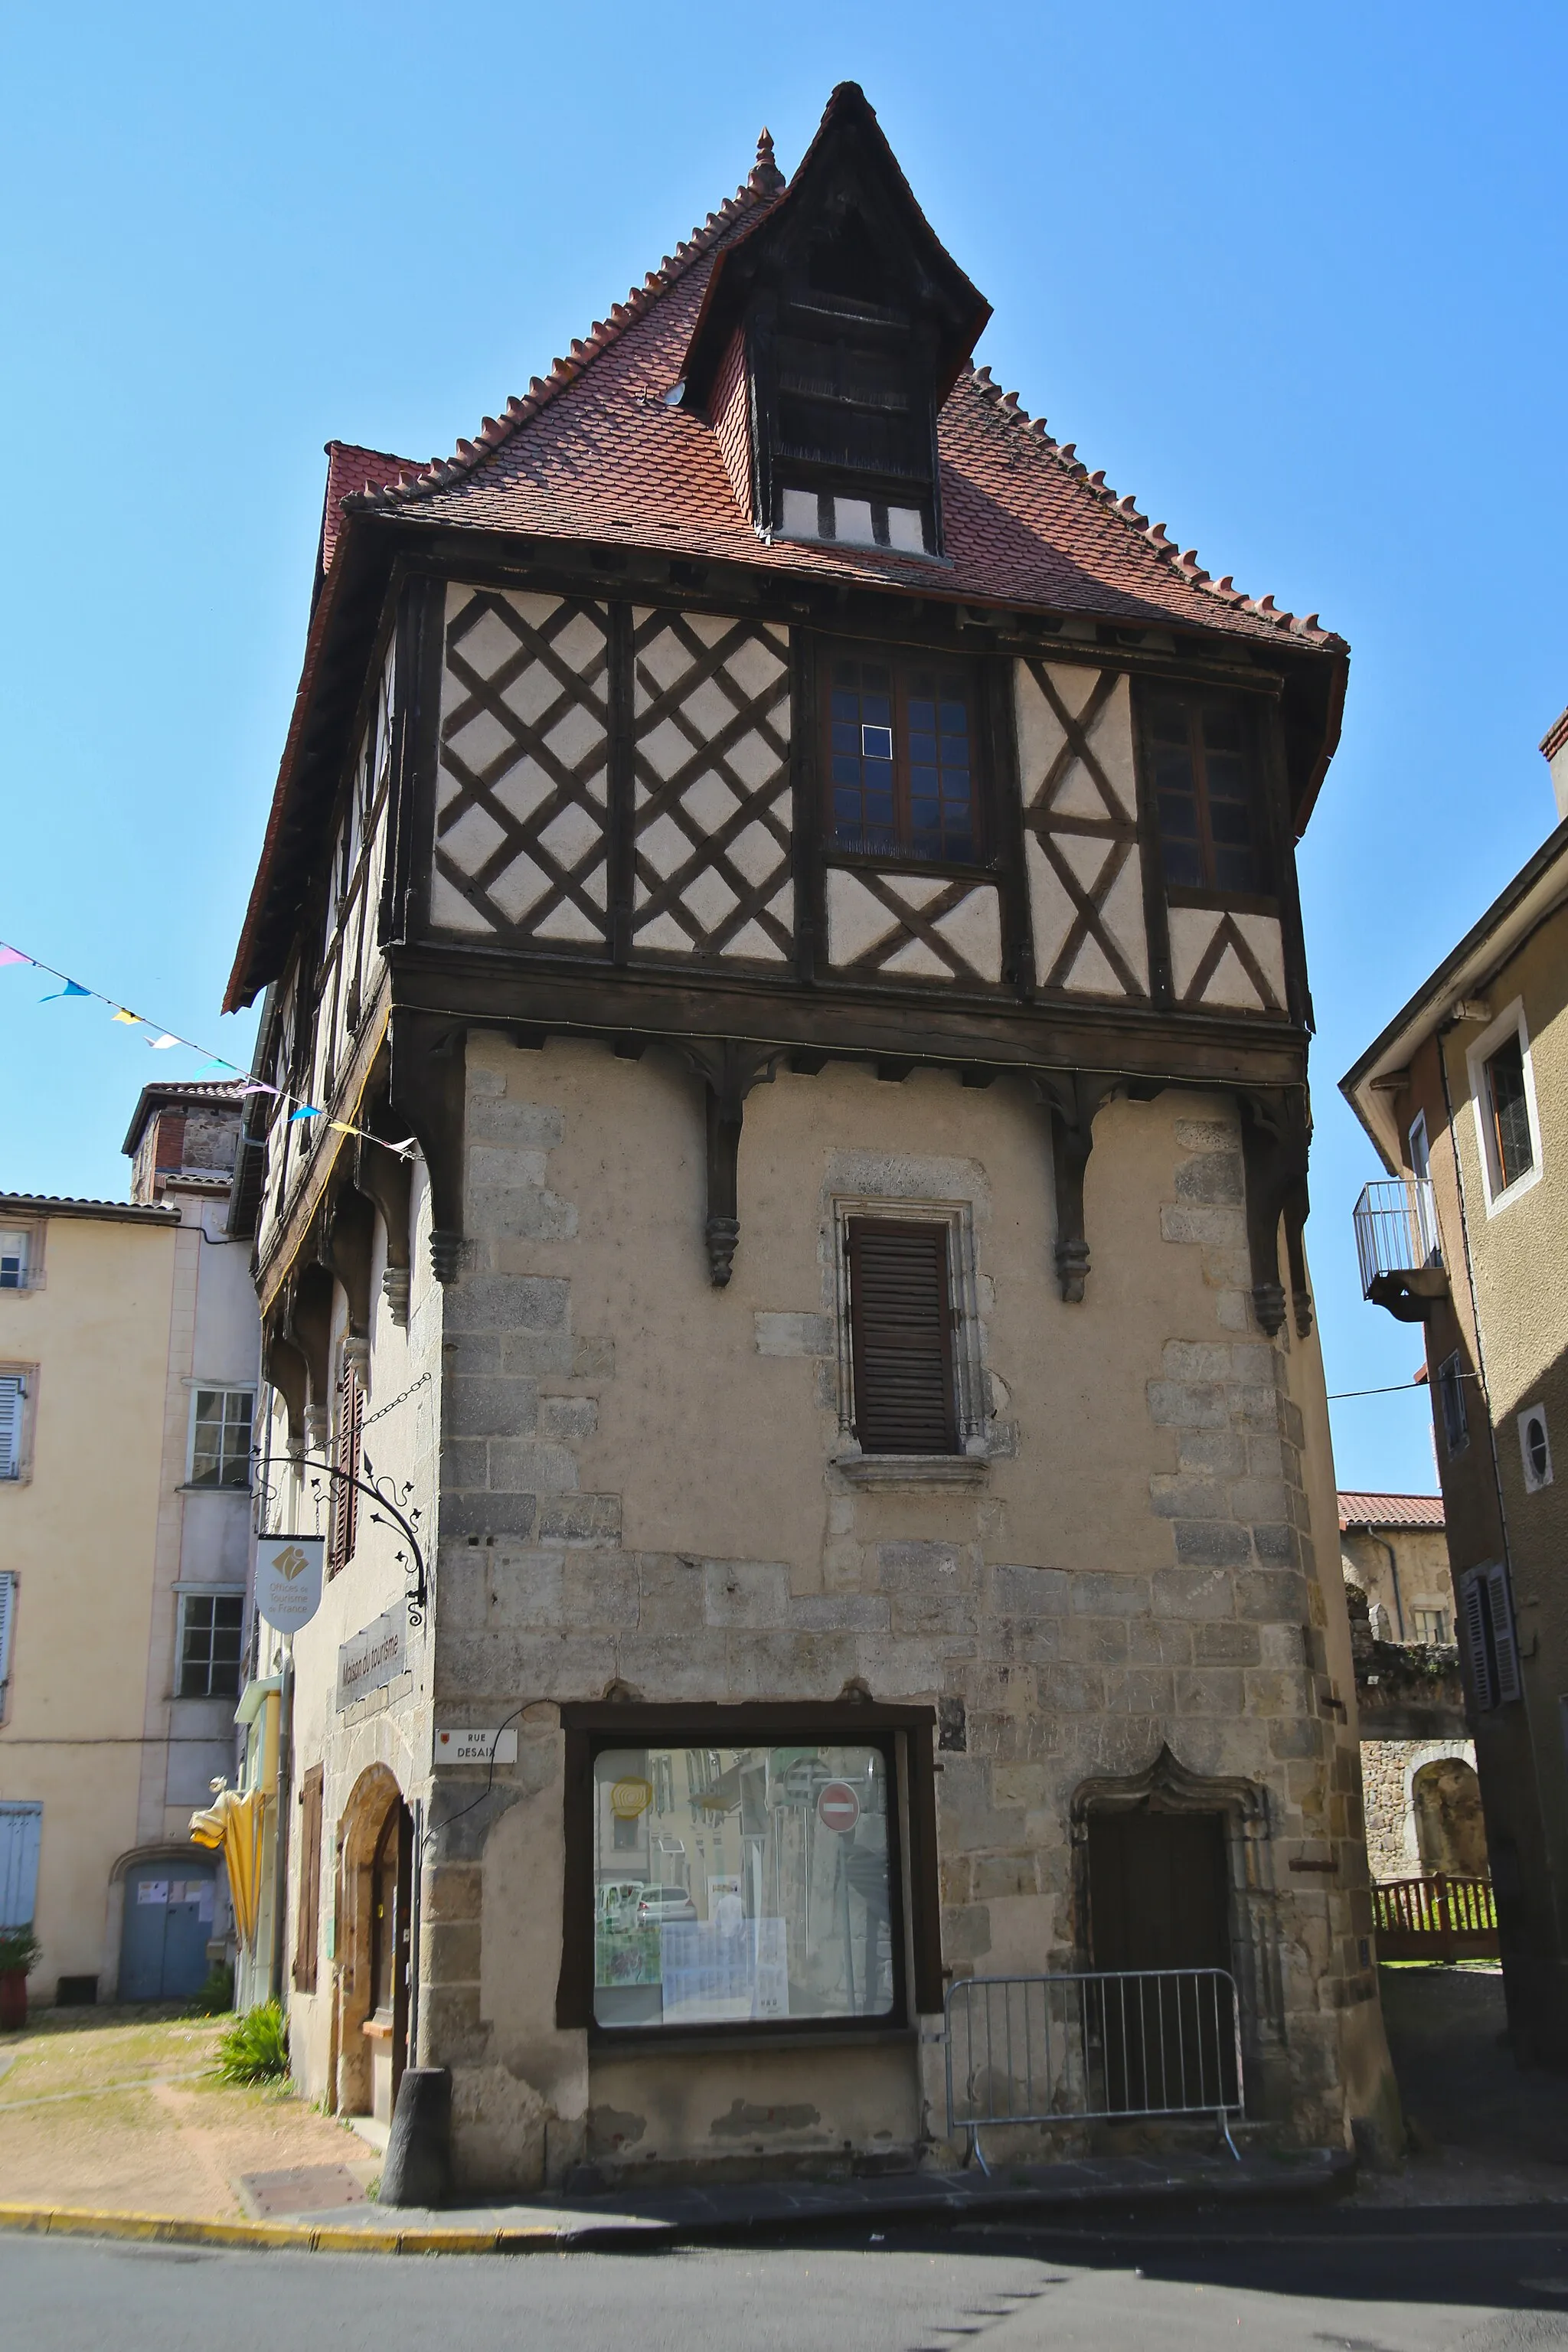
1450	1831
375	1845
166	1925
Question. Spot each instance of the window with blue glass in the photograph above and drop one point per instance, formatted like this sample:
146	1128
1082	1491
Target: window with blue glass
901	760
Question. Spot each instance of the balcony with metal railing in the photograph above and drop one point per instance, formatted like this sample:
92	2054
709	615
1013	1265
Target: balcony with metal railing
1397	1244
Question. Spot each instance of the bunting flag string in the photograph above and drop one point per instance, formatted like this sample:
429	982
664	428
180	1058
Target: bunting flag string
300	1112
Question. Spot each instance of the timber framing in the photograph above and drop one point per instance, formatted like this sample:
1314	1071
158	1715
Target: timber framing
380	554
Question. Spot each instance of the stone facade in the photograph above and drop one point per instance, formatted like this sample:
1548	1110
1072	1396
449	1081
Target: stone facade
1107	1587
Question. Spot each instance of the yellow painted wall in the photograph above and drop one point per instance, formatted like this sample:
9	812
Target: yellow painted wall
79	1532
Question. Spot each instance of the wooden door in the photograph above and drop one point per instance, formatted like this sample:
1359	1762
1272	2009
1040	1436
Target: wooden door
1159	1900
391	1881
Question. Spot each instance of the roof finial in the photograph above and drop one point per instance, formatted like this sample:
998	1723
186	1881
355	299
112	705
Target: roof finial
767	179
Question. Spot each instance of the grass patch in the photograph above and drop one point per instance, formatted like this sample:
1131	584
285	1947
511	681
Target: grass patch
256	2047
58	2052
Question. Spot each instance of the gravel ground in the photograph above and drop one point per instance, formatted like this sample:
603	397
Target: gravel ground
117	2110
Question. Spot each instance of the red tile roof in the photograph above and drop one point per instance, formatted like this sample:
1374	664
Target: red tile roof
351	469
1390	1511
592	451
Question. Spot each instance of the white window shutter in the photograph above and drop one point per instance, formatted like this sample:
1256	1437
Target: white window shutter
1504	1639
1473	1618
8	1612
13	1393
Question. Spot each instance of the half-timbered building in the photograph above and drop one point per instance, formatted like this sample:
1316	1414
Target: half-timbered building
785	985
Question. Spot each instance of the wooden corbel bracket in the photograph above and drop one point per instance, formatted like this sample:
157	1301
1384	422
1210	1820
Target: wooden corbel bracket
729	1070
1073	1099
427	1097
385	1179
306	1324
1275	1131
286	1369
344	1248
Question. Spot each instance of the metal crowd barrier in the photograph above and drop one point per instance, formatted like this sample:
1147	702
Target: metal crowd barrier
1102	2045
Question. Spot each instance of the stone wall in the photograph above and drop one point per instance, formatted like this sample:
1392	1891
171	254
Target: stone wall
644	1490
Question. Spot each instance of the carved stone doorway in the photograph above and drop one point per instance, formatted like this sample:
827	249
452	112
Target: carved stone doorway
1172	1869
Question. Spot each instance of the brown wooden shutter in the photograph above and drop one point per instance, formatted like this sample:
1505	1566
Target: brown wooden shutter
347	1459
308	1933
900	1316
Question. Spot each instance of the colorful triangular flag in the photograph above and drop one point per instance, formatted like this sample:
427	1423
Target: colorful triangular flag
13	955
71	988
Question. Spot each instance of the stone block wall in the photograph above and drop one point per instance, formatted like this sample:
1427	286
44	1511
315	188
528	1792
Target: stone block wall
1052	1656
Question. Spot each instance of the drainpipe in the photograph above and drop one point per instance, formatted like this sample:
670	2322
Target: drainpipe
275	1988
1393	1578
416	1873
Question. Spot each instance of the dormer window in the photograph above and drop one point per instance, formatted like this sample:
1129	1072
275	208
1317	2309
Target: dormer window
830	334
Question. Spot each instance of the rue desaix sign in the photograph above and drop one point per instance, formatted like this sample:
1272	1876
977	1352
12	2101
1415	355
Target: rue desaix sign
289	1579
375	1656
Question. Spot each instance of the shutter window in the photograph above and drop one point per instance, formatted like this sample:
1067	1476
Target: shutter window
347	1459
7	1615
1505	1647
13	1396
901	1316
308	1934
1486	1613
1475	1617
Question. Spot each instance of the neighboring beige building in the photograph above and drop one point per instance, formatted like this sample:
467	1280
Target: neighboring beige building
745	836
128	1371
1464	1096
1419	1789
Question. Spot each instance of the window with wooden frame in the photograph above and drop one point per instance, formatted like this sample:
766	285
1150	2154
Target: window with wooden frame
308	1913
1502	1092
1508	1112
901	1337
220	1436
1204	758
766	1889
901	757
1451	1404
21	1257
212	1626
343	1533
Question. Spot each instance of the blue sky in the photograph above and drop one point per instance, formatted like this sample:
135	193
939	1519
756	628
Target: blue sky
1292	276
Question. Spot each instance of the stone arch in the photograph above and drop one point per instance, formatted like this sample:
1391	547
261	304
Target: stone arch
185	1860
373	1798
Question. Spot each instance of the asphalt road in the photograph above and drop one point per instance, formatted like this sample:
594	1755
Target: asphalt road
1456	2280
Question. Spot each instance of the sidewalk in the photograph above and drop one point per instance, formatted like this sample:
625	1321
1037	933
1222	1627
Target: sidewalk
110	2124
1483	2131
1111	2185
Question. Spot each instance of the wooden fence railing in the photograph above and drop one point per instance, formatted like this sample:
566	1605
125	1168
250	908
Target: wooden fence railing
1437	1918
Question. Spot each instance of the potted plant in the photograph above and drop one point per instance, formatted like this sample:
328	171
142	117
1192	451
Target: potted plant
19	1949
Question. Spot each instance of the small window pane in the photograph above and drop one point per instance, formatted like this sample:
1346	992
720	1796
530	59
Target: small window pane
1510	1113
12	1259
220	1446
742	1886
210	1630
